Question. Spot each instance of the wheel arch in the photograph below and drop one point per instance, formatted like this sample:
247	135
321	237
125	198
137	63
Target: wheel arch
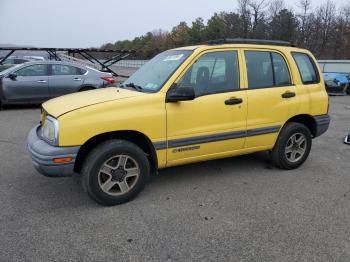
307	120
135	137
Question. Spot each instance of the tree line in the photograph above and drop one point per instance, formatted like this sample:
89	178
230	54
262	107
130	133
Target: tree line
324	29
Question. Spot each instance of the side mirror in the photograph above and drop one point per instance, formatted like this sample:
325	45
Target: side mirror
13	76
182	93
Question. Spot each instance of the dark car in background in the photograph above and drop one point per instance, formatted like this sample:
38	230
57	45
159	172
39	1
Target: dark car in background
36	82
337	83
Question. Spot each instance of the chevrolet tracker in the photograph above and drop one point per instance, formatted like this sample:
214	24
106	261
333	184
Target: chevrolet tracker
220	99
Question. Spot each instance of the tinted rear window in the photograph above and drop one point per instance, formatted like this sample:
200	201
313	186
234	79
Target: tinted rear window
65	70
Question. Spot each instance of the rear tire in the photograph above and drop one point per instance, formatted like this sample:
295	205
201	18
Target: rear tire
115	172
293	146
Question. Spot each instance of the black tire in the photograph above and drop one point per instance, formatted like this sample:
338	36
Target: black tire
279	155
86	88
99	156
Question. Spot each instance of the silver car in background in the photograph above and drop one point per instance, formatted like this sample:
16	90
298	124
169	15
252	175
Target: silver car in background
36	82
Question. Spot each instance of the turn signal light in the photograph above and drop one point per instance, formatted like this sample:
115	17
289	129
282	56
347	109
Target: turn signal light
62	160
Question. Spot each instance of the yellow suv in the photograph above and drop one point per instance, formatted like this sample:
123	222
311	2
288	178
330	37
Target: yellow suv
221	99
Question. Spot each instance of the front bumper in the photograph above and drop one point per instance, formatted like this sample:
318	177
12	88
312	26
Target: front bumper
347	139
322	124
42	155
334	89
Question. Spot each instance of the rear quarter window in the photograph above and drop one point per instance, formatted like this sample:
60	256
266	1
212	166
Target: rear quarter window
307	68
82	71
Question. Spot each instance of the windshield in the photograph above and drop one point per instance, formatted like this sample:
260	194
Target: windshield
4	69
152	76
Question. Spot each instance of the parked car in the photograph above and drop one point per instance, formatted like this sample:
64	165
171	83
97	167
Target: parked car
186	105
36	82
337	83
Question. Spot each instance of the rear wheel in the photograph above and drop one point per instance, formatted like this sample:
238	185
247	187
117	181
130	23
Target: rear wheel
87	88
115	172
292	147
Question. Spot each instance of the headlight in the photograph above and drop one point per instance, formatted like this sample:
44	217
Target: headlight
49	130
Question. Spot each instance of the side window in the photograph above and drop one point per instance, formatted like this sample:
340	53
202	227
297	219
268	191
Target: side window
281	71
62	70
307	68
82	71
216	72
259	67
266	69
33	70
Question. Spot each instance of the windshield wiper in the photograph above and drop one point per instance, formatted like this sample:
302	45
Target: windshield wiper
136	87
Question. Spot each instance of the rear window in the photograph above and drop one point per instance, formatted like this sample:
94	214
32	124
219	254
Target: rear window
307	68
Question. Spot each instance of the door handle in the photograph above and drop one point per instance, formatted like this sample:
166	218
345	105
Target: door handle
77	79
288	95
233	101
42	81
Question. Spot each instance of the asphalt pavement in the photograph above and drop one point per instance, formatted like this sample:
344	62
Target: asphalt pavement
234	209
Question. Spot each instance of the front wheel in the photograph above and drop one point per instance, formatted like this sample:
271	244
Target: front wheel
115	172
293	146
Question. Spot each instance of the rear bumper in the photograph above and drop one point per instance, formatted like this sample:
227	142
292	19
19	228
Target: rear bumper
322	124
42	155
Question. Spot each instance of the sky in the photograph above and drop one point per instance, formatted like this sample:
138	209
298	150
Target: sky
91	23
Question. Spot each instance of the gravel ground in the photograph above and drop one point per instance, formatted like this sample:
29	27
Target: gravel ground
235	209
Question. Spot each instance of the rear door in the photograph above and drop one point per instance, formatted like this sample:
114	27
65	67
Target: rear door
65	79
271	95
30	85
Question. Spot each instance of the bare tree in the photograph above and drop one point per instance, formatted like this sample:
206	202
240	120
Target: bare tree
305	6
244	12
257	7
275	7
327	13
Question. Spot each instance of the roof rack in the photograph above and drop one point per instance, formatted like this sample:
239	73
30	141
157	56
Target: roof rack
248	41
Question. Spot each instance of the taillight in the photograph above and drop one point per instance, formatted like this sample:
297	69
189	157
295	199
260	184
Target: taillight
108	79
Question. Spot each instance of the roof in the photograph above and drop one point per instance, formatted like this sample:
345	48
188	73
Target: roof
201	48
241	43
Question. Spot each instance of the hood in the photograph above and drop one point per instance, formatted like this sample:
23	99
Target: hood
64	104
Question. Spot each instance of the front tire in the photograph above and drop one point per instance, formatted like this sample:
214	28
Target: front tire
115	172
293	146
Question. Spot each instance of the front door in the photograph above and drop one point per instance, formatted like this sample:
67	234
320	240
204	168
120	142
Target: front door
30	85
214	123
